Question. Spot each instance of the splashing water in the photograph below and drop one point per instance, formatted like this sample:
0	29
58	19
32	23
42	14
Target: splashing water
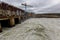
34	29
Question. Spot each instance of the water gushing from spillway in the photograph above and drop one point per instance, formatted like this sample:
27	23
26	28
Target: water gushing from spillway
34	29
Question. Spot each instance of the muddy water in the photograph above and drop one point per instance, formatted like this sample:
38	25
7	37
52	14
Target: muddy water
34	29
37	34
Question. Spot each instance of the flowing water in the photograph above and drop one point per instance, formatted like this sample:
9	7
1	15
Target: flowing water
34	29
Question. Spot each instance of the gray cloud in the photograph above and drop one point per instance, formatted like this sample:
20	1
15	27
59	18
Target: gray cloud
39	6
13	2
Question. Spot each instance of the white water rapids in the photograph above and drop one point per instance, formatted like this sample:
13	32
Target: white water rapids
34	29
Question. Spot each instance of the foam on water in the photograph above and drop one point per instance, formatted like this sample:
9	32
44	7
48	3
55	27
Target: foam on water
34	29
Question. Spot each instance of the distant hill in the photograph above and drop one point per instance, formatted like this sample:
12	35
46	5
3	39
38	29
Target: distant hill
49	15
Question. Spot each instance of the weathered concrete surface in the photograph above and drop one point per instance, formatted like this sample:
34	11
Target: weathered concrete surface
34	29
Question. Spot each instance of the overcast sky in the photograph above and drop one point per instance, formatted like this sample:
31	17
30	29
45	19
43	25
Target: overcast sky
38	6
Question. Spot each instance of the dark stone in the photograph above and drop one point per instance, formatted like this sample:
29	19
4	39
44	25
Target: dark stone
0	30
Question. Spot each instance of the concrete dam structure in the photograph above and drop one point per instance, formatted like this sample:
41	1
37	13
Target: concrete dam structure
11	15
